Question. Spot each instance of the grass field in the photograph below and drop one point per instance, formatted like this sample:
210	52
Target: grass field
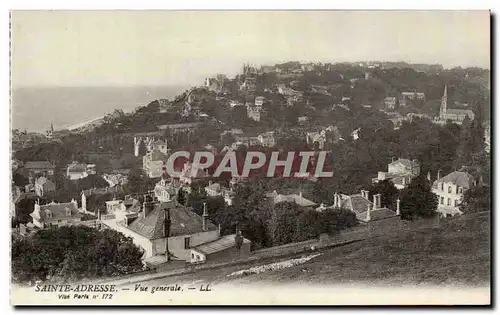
455	252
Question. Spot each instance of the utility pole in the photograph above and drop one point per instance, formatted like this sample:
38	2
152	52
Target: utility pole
166	230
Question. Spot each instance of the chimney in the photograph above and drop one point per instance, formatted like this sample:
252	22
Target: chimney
219	230
403	179
205	217
376	201
300	194
335	201
429	176
398	202
364	194
438	175
368	215
147	207
393	159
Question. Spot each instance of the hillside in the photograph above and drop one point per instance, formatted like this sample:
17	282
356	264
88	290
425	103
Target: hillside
456	252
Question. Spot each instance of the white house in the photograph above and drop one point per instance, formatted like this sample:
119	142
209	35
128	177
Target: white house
76	171
164	222
450	190
400	172
56	214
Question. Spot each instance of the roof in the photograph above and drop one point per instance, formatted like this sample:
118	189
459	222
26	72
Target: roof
359	204
376	214
77	167
461	179
219	245
159	142
407	163
42	181
214	187
101	191
38	165
297	199
58	211
456	111
168	188
398	179
182	222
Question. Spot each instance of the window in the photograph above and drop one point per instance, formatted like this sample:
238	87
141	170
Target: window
192	256
442	200
186	242
442	186
449	189
449	202
198	257
460	190
456	203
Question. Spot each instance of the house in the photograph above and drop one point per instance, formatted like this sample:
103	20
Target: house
95	192
400	172
44	186
450	190
259	101
224	248
235	103
39	167
363	208
302	119
355	134
267	139
154	163
191	172
129	208
166	224
390	102
455	115
56	214
228	195
76	171
213	189
405	96
254	112
329	134
293	198
115	179
249	84
166	191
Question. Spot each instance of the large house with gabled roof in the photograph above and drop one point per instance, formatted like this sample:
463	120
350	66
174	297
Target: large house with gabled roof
364	209
150	231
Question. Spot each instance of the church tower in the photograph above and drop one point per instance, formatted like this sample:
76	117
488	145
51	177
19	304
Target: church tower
444	103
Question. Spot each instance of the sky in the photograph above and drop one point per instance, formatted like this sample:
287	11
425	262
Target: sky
140	48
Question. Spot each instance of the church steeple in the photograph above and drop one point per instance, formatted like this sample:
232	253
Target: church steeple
444	102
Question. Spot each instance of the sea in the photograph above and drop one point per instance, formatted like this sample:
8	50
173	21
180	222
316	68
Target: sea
35	108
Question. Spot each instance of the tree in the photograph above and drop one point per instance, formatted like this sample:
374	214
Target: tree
389	193
73	253
476	199
181	197
283	223
417	200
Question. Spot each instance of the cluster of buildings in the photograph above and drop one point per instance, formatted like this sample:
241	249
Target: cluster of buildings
455	115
